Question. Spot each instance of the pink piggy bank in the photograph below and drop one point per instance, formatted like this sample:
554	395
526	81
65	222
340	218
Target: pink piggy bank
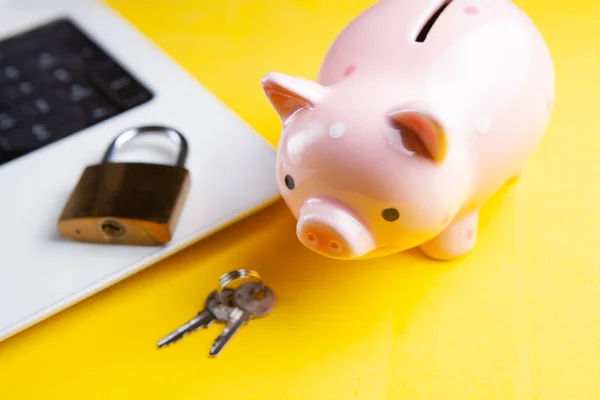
422	110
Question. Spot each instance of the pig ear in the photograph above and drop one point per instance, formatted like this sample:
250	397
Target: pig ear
289	94
420	133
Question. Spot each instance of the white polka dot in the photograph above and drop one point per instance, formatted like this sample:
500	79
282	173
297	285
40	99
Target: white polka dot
483	125
337	130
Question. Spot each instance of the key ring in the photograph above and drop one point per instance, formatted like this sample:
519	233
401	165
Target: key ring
232	276
226	279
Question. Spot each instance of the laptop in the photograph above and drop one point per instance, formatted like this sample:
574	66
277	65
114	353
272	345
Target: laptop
73	75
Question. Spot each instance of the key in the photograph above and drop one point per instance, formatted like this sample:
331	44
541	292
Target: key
214	310
251	300
121	88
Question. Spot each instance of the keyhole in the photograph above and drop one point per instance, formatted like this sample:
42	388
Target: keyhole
113	229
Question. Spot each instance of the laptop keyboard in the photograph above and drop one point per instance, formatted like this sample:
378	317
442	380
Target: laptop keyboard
54	82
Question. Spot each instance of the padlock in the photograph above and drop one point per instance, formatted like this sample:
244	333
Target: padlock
130	203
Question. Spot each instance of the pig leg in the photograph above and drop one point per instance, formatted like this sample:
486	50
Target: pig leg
456	240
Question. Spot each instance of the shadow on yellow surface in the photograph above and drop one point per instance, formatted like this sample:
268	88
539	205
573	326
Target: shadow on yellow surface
516	319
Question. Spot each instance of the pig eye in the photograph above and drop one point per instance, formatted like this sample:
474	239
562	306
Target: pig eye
289	182
390	214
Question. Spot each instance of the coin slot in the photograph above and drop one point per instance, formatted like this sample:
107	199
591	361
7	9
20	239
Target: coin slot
431	21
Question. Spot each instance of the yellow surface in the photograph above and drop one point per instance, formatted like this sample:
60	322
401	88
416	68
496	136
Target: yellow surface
518	319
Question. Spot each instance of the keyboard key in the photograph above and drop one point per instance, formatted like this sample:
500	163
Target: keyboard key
112	77
97	110
120	87
101	112
119	83
76	92
25	88
7	121
40	107
62	75
79	92
46	60
132	96
11	73
17	91
41	132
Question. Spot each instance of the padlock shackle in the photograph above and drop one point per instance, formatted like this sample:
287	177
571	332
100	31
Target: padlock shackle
129	134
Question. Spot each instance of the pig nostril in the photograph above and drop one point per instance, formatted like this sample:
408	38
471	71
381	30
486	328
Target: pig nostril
390	214
335	245
311	237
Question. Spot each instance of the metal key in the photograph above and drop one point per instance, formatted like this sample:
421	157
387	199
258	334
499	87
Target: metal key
252	300
214	310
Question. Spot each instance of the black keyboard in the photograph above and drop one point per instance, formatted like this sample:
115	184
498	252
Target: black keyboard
56	81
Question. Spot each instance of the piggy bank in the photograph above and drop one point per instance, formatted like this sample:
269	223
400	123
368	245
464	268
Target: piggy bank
422	110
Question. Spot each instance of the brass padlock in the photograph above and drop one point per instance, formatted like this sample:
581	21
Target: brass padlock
130	202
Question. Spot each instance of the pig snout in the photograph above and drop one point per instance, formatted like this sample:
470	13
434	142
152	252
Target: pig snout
330	228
